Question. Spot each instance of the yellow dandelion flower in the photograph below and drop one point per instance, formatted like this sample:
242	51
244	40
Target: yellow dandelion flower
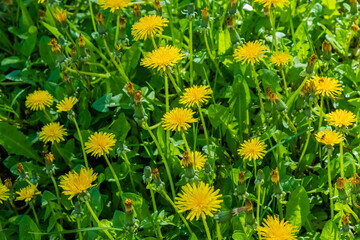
280	58
113	4
340	118
27	193
38	100
252	149
66	104
200	199
326	86
52	132
329	137
41	1
274	229
73	183
162	58
273	3
100	143
178	119
188	159
4	193
148	27
60	15
196	95
250	52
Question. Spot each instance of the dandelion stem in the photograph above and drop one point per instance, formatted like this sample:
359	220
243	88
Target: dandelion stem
79	227
259	93
97	219
330	186
185	142
35	215
285	83
320	122
92	16
56	189
130	170
258	203
114	175
342	158
47	115
290	122
191	52
166	196
154	43
100	75
118	67
306	143
117	29
272	17
206	227
163	158
210	54
280	207
69	36
205	130
218	231
178	91
81	142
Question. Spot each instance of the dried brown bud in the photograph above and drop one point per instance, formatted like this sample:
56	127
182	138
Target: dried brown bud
128	205
122	23
55	47
137	97
186	160
136	10
66	77
340	183
270	96
99	18
248	205
49	158
155	173
230	23
354	28
81	42
8	183
345	221
130	88
326	46
20	168
157	5
274	176
73	51
242	177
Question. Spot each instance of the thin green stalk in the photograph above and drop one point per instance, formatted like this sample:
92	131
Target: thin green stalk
210	54
218	231
92	16
206	227
120	69
259	93
47	115
166	196
127	162
114	175
100	75
79	227
163	158
321	111
185	142
154	43
292	26
205	130
81	142
306	143
342	158
56	189
69	36
117	29
97	220
155	209
177	89
290	122
167	109
330	187
272	17
280	207
258	203
191	52
35	215
285	83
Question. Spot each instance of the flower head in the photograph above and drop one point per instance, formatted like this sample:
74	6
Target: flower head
252	149
274	229
55	47
250	52
52	132
178	119
148	27
280	58
162	58
196	95
273	3
74	183
326	86
188	159
100	143
4	193
340	118
49	158
329	137
60	15
27	193
113	4
340	183
200	199
66	104
38	100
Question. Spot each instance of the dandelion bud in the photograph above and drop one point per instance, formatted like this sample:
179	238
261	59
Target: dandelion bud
233	7
224	216
77	211
139	111
99	19
345	219
355	185
234	35
73	52
42	15
205	18
137	97
353	5
122	28
62	61
49	164
81	41
158	8
250	220
240	191
20	168
61	16
311	64
101	29
277	188
137	12
66	77
131	224
8	183
207	168
147	176
187	162
326	47
259	178
49	158
128	206
345	229
55	47
340	186
130	89
159	184
191	11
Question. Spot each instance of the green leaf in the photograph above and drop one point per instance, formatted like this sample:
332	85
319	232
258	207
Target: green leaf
119	219
28	225
330	231
298	207
45	52
103	103
15	142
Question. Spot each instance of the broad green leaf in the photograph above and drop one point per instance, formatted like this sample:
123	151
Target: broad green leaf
28	225
330	231
298	207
